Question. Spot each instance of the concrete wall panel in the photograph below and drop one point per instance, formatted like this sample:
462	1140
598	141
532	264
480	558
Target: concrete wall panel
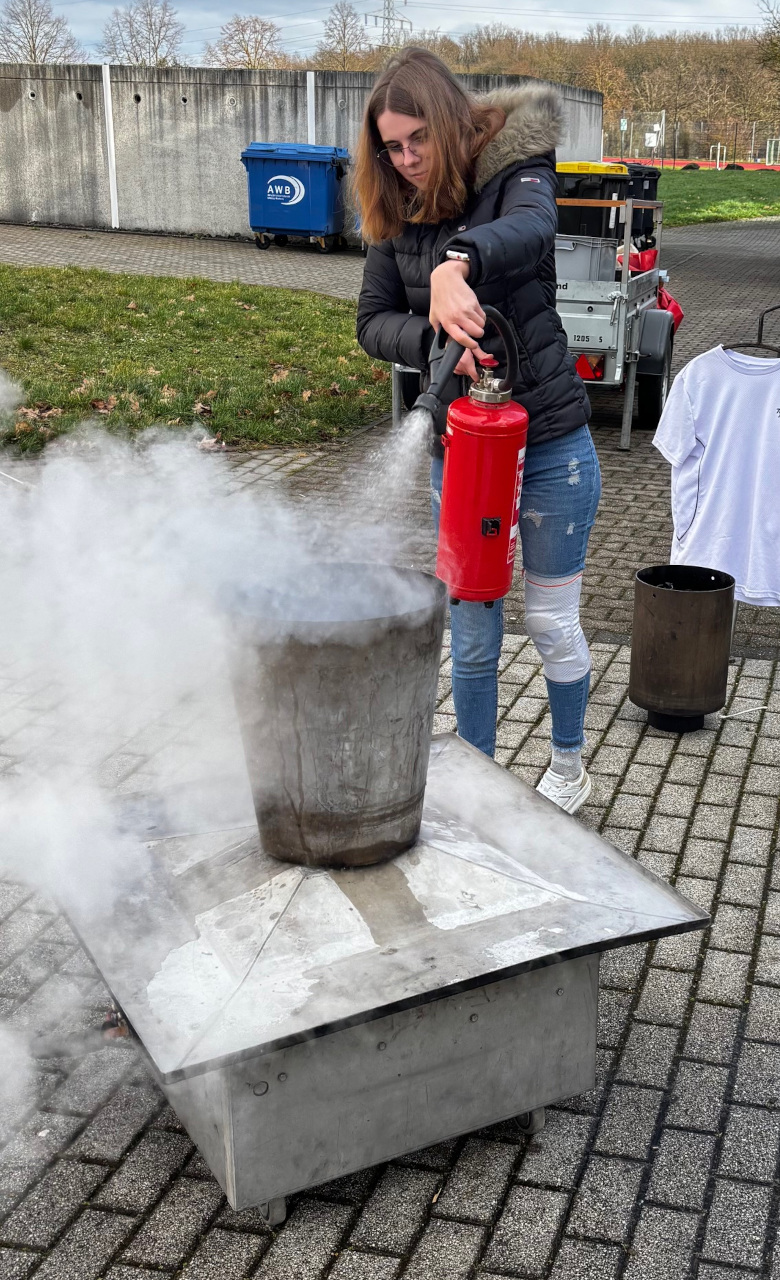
53	146
179	137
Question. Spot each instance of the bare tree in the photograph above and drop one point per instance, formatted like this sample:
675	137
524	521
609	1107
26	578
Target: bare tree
145	34
344	45
30	32
245	41
769	38
439	43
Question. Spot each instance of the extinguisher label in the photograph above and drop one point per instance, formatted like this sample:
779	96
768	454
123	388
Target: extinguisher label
512	548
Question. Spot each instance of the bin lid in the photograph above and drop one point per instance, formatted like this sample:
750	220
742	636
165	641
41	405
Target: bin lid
294	151
589	166
637	170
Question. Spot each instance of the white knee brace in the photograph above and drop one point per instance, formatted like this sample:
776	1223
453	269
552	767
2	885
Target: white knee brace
552	620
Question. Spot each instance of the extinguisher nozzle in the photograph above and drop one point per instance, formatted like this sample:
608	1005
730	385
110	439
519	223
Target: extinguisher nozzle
429	402
453	601
489	604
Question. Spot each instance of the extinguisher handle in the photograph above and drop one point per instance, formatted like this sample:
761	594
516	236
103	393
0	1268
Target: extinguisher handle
509	340
444	356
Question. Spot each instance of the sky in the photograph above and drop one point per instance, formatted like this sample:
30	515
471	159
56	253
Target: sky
301	23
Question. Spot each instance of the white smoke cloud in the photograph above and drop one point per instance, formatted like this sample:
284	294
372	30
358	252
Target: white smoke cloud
10	395
114	568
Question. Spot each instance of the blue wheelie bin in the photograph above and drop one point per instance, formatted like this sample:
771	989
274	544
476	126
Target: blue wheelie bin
296	190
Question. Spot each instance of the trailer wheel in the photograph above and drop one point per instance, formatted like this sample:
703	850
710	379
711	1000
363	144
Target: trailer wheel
261	242
531	1121
652	390
281	241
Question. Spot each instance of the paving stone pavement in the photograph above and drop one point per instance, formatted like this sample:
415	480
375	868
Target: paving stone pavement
305	267
668	1170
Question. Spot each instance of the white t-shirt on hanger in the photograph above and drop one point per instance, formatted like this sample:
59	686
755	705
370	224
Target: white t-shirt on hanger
720	430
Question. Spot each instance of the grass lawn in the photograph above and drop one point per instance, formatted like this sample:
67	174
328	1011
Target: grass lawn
257	366
706	195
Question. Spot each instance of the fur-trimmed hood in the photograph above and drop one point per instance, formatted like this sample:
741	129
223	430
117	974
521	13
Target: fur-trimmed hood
534	125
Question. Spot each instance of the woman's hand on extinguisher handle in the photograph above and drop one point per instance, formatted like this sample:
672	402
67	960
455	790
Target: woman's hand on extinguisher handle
455	308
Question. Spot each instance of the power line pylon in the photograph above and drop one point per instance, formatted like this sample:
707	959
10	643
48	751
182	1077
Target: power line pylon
393	26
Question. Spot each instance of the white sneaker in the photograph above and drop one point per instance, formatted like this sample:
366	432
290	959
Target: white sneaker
566	794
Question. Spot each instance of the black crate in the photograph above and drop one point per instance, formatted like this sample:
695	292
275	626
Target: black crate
573	221
643	185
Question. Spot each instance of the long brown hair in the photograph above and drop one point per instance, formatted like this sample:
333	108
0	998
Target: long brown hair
417	83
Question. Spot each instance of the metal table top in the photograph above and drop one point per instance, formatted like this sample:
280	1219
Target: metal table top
220	952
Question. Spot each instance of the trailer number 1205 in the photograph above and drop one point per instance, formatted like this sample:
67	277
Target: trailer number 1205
585	337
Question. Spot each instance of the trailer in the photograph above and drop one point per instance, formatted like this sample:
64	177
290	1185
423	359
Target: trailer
618	335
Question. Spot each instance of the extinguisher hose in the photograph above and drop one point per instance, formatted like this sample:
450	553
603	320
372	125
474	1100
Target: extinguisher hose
510	347
445	355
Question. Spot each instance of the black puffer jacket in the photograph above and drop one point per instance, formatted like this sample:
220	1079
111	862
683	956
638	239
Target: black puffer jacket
508	229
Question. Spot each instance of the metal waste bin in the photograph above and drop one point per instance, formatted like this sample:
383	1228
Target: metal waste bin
680	644
335	682
296	190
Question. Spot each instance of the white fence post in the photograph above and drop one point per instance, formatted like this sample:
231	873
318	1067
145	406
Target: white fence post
311	110
108	111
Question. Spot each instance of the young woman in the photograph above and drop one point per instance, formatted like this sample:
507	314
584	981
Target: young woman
457	201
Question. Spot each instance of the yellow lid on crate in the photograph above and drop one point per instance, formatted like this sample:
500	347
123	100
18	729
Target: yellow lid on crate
590	166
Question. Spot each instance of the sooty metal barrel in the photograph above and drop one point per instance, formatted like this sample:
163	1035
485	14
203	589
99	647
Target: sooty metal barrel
335	686
680	644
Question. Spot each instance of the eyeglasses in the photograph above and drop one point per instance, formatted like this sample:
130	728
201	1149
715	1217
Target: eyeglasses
393	153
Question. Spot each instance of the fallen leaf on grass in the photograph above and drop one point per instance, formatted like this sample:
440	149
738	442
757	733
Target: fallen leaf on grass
173	422
335	389
379	375
168	393
280	375
104	406
342	360
190	297
202	409
86	385
209	444
41	410
209	395
151	370
132	306
306	395
134	403
362	392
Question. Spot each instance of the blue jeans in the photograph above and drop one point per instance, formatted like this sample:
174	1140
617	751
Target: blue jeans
552	547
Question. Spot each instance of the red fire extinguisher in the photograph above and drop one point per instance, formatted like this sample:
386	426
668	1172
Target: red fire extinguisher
484	456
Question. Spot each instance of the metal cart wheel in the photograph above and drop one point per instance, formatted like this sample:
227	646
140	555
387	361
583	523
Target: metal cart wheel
281	241
274	1212
326	244
652	390
261	242
531	1121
